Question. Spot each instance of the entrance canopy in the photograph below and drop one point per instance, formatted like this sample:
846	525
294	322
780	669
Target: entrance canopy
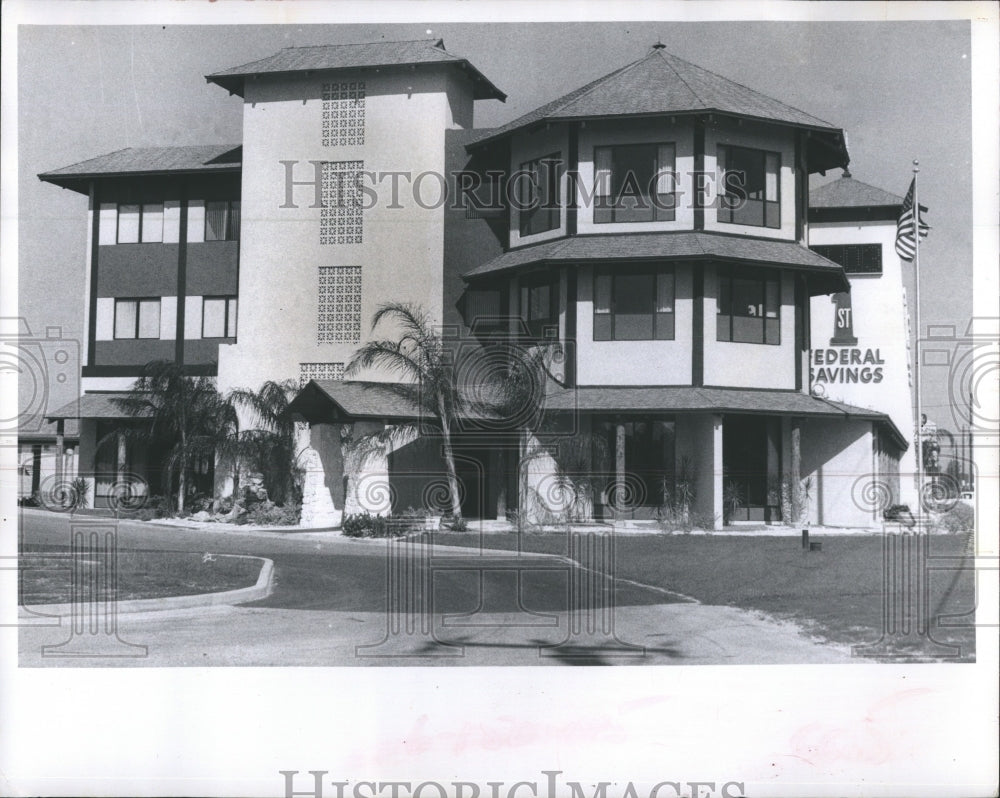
690	399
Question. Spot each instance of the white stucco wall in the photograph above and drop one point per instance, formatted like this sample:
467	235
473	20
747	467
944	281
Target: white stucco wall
739	365
639	131
406	116
837	455
634	362
879	323
761	137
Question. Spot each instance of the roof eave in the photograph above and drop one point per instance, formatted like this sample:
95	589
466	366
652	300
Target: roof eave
72	181
551	120
484	89
826	281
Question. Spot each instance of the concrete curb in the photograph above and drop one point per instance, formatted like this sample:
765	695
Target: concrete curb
260	590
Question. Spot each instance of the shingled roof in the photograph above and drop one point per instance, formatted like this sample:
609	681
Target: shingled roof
661	83
136	161
828	276
846	192
339	57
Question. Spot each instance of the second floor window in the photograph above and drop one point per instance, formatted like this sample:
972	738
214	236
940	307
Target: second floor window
538	195
749	309
218	317
140	223
634	306
634	183
222	220
749	187
137	318
855	258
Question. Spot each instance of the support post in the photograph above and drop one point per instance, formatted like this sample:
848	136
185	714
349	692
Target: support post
795	471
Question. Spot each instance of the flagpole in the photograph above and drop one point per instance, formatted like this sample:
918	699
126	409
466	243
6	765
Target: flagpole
916	367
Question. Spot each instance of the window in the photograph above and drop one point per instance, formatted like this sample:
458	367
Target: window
137	318
339	307
749	309
140	223
855	258
634	183
218	317
538	308
222	220
634	306
482	310
538	195
749	187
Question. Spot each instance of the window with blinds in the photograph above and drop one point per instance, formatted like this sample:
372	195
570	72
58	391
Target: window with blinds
635	183
140	223
137	318
218	317
222	220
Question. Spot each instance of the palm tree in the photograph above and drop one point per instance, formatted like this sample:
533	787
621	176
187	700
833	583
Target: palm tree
186	414
419	355
270	446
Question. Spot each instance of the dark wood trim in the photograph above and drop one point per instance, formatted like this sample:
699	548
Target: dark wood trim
572	169
801	190
697	325
875	213
193	369
182	277
570	343
800	299
95	230
699	167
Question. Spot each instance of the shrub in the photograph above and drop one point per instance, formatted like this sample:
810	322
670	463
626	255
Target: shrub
154	507
960	518
269	514
459	525
366	525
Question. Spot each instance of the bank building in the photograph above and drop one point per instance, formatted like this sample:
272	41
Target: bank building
709	327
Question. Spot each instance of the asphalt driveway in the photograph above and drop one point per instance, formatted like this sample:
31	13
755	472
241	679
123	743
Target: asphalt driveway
339	602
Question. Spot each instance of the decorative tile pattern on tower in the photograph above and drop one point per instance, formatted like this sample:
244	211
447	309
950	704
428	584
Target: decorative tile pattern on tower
343	114
339	316
320	371
341	214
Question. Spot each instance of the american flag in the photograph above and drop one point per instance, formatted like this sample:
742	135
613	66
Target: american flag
906	243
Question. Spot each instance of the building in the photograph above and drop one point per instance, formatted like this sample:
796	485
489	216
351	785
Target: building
651	231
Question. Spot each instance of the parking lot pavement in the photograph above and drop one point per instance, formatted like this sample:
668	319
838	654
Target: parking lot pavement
329	608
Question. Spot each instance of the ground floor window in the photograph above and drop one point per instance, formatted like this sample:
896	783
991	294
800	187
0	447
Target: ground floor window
634	463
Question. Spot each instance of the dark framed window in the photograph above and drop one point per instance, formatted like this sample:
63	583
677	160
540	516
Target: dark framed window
222	220
137	318
539	309
634	305
482	310
538	195
749	306
218	317
140	223
855	258
749	187
635	183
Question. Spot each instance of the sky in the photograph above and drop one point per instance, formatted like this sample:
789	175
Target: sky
900	90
